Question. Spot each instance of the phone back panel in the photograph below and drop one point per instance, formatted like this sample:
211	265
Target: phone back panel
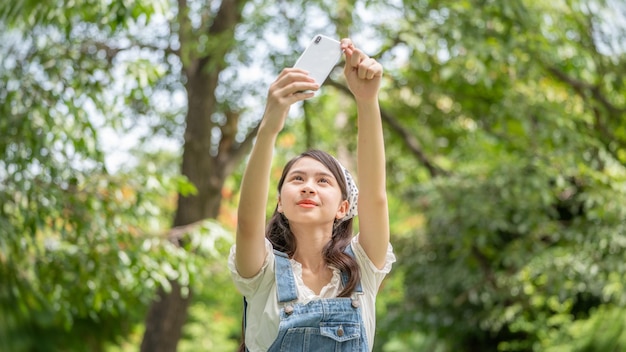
319	58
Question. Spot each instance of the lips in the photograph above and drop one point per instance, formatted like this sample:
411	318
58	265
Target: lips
307	203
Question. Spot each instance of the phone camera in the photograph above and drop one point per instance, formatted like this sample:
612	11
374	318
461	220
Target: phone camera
317	39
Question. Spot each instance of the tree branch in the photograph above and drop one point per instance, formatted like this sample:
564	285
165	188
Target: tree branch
228	14
589	91
231	153
582	88
409	139
111	52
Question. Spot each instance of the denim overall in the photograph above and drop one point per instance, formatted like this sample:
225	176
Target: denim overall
328	324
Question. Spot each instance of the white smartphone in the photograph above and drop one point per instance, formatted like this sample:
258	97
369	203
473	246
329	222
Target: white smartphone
319	57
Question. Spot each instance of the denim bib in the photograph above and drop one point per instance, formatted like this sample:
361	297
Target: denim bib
327	324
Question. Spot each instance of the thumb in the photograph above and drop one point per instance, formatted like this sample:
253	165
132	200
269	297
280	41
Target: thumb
348	48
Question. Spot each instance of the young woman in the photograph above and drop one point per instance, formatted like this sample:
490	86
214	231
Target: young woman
308	283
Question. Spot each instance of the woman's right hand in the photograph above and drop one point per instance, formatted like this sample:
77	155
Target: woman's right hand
291	85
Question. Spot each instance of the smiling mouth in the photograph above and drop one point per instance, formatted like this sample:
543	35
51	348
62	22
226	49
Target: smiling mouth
307	204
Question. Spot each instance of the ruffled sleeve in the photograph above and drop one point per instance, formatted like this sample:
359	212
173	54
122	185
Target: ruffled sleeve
248	286
371	275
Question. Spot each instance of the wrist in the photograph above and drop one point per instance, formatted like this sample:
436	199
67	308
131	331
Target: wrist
267	132
367	104
270	125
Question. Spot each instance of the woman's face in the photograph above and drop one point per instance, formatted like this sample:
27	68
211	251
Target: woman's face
311	194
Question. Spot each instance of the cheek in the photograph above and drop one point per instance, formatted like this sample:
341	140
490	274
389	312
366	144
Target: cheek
337	198
286	192
286	196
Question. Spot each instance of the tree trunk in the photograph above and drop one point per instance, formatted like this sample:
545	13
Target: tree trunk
165	320
203	168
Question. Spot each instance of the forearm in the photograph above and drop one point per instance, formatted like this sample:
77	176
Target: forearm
255	187
370	151
252	204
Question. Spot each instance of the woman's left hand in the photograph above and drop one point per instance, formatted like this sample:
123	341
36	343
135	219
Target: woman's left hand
362	72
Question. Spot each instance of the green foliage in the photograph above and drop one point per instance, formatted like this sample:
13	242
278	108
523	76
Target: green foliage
215	314
82	250
110	14
603	331
524	227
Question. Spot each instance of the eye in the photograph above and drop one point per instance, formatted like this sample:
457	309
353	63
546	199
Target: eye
296	178
323	180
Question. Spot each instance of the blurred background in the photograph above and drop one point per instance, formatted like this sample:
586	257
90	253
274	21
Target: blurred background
125	126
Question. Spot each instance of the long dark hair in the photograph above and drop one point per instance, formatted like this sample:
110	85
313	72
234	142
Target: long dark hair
279	233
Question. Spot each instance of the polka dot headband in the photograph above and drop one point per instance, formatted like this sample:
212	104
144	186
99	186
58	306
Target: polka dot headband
353	194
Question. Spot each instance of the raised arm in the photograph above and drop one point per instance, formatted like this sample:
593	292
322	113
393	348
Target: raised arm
363	75
250	252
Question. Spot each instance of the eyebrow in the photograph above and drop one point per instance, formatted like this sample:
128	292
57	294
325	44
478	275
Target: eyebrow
319	173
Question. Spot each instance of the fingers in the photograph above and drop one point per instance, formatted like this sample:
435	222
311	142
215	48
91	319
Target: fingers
347	46
291	85
293	80
357	60
293	76
369	68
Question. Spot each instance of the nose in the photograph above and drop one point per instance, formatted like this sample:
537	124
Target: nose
307	188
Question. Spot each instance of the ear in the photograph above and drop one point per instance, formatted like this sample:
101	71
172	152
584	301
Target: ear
343	209
279	206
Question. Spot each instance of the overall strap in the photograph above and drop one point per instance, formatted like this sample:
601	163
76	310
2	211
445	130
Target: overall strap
344	276
245	312
285	281
242	346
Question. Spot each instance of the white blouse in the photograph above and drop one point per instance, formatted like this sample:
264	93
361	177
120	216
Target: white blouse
263	309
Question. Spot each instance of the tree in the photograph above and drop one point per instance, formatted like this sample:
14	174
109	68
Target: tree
56	202
82	249
523	227
198	48
208	157
205	168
